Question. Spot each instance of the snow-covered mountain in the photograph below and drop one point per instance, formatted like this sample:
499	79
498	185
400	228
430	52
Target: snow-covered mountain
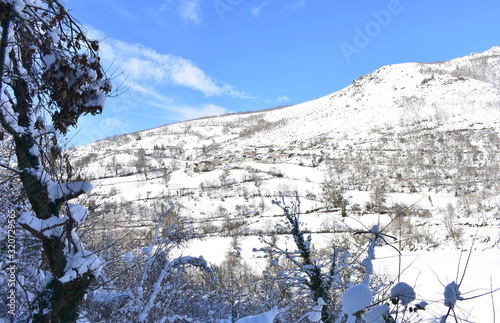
419	139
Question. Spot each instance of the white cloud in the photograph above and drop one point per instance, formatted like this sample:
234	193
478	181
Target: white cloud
203	111
185	73
144	96
185	112
187	10
113	124
256	10
190	10
279	99
296	5
145	66
146	75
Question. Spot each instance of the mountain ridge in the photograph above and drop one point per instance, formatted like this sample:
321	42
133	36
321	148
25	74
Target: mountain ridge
448	71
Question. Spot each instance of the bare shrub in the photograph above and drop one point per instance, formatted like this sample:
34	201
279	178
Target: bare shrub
449	220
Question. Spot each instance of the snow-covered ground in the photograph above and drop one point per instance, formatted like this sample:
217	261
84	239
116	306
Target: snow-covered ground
429	272
424	135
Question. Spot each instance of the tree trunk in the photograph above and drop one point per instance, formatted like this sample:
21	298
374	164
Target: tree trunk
63	300
59	302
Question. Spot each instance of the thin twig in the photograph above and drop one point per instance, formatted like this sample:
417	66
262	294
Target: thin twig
481	295
492	300
467	262
10	168
402	212
454	315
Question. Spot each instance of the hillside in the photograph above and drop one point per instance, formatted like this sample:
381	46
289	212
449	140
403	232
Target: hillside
412	146
412	126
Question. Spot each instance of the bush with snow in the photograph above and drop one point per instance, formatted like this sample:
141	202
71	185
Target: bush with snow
403	293
267	317
451	295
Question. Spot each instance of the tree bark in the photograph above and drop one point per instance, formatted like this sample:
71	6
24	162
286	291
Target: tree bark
59	302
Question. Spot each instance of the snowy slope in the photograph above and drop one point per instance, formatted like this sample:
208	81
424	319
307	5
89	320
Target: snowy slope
423	135
398	110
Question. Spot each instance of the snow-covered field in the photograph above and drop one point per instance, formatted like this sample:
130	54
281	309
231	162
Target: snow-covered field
429	272
413	144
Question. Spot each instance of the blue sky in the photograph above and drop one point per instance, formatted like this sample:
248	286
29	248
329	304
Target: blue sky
182	59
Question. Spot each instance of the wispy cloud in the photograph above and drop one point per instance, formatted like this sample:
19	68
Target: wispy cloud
190	10
114	123
119	10
187	10
141	64
256	10
182	111
115	7
202	111
280	99
147	75
296	5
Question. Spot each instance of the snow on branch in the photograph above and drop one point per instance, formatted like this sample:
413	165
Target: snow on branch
68	191
266	317
80	263
181	261
51	227
452	295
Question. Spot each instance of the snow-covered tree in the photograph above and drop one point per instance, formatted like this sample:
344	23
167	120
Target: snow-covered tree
332	196
321	277
149	284
50	76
